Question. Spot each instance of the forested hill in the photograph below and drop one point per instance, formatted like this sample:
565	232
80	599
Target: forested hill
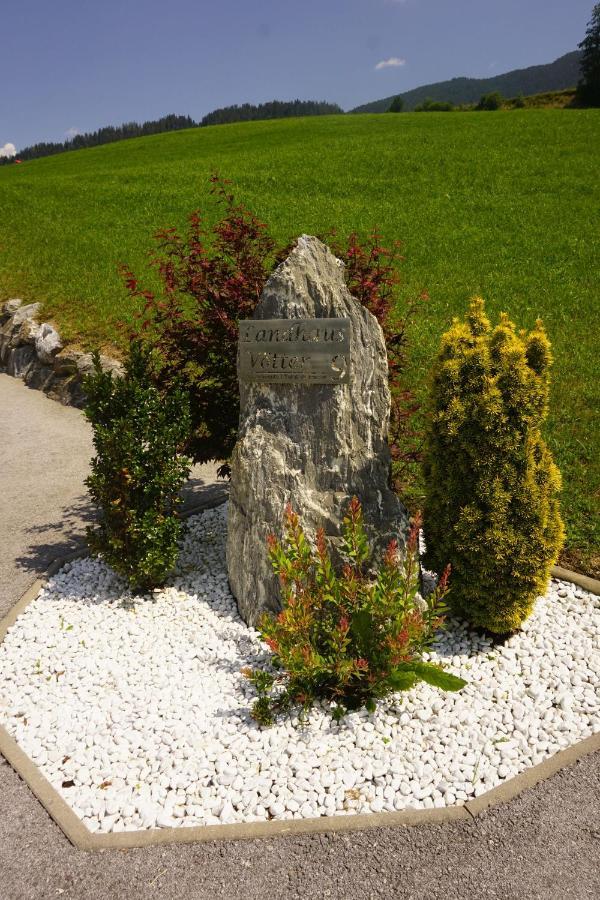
276	109
554	76
106	135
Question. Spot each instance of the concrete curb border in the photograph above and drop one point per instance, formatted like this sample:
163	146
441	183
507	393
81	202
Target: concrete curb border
83	839
588	584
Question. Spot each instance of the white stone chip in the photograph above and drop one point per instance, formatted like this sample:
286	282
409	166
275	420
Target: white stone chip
139	702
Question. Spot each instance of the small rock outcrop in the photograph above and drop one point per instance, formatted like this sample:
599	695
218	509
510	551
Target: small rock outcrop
35	353
47	343
312	445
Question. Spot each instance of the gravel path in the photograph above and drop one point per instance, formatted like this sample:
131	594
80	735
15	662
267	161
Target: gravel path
544	844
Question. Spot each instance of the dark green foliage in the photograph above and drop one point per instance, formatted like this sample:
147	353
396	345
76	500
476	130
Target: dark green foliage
397	104
588	88
138	470
275	109
519	102
490	101
346	636
429	105
491	507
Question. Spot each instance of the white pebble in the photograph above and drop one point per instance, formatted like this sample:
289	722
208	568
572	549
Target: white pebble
150	716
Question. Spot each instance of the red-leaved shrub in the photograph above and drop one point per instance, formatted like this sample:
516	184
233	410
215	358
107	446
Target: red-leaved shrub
208	285
346	636
213	277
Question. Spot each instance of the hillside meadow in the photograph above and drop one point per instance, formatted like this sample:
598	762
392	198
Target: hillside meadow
502	204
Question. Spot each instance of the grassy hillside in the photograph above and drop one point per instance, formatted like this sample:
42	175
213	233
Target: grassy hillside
547	100
504	204
554	76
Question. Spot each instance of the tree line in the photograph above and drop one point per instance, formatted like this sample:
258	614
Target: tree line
276	109
105	135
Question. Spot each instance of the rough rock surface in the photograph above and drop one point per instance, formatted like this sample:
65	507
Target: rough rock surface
312	445
16	326
47	343
19	360
27	333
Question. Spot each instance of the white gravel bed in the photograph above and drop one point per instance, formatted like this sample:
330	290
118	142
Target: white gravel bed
136	711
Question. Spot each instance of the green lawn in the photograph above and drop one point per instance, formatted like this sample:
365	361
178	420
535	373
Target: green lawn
504	204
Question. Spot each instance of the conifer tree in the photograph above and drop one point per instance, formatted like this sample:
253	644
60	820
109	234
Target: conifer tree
397	104
491	507
588	89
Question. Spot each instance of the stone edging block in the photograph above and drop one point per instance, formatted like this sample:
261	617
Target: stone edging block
83	839
588	584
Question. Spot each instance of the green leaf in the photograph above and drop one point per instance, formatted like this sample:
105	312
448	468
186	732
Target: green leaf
362	626
437	676
402	679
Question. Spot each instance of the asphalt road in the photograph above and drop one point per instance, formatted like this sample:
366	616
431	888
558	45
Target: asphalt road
545	844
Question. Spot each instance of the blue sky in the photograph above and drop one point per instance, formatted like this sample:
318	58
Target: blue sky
80	64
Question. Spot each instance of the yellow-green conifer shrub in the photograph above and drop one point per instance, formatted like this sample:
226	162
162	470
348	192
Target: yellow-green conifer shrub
491	506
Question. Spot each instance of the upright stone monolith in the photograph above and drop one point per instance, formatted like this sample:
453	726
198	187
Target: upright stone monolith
314	414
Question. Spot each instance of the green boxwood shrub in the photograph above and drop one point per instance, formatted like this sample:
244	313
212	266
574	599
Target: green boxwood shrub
397	104
491	506
138	470
430	105
491	101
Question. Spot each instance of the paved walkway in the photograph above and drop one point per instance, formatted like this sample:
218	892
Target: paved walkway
45	449
545	844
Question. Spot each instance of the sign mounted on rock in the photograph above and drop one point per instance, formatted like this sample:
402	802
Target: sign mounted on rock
314	413
294	351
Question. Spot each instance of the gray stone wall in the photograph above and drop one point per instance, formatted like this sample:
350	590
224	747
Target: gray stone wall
35	353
